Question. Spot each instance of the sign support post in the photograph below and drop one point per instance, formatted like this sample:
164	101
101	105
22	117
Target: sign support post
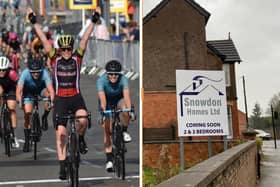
182	154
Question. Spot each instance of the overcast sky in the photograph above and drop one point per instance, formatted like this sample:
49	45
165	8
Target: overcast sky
255	31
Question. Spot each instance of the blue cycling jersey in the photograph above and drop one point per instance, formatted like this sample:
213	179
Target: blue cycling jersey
112	90
31	85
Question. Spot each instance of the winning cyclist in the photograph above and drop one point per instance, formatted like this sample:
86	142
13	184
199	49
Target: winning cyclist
8	82
66	66
113	91
34	80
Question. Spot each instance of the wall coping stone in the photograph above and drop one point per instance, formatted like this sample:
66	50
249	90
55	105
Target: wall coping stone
205	172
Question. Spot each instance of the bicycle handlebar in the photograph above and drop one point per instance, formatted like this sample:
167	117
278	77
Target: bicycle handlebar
117	111
36	99
72	116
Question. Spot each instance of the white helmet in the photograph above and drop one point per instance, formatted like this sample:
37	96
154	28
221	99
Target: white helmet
4	62
45	29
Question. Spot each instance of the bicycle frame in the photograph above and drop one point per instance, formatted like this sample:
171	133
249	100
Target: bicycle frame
72	147
119	148
6	125
36	132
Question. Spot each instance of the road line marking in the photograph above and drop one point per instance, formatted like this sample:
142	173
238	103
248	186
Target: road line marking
50	150
59	181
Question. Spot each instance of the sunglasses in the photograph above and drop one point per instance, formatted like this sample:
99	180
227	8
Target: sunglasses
35	72
66	49
113	74
3	70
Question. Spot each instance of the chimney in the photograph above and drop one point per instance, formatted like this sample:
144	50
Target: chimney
229	36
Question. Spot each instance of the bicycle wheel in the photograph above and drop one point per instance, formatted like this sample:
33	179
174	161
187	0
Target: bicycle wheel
119	158
35	132
122	158
74	164
121	153
7	132
1	127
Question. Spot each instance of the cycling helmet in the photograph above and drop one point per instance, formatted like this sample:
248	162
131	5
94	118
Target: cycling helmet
65	41
113	66
35	65
4	62
12	36
45	29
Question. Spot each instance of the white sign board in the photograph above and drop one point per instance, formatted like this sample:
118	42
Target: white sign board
201	103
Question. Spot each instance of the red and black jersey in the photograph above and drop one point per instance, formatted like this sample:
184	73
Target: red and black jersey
9	81
66	73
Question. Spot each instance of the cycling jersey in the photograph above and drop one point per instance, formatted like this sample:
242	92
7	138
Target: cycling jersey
15	45
66	73
9	81
113	91
32	86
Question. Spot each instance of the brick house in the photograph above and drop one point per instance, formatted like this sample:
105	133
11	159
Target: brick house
174	38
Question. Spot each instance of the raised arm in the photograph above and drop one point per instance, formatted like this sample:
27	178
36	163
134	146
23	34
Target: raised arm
95	17
40	33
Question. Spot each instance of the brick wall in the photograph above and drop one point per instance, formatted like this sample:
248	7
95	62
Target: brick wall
177	29
236	167
168	155
159	109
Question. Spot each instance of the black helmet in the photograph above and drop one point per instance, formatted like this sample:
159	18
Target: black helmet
35	65
66	41
113	66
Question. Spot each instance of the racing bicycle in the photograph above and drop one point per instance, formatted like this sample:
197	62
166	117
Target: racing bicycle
36	131
72	147
6	125
119	148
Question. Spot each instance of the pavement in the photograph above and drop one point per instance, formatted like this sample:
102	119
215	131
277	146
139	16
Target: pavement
270	164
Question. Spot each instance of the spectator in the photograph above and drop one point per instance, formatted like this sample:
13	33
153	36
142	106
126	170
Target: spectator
130	10
132	32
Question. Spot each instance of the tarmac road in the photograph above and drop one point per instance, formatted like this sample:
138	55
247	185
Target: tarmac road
21	170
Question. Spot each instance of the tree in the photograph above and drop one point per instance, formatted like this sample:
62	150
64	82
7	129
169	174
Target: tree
275	102
256	118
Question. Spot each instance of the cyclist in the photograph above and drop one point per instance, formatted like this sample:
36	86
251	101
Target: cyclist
113	91
8	82
66	66
34	80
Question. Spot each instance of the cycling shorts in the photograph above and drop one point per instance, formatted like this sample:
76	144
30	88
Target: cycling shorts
11	95
28	97
62	106
111	104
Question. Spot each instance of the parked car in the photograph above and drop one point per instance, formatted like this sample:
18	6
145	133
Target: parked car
264	135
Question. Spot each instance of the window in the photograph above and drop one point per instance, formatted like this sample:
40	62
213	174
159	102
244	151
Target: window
226	68
229	112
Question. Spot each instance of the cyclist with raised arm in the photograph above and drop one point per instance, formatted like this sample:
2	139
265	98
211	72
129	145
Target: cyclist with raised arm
34	81
66	66
113	91
8	82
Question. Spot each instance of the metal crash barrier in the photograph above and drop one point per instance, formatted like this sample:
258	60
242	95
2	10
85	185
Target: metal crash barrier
99	52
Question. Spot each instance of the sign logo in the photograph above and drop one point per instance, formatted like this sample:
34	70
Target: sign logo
198	85
201	103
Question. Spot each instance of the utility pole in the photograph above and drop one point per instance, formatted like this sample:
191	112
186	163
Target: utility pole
273	124
245	101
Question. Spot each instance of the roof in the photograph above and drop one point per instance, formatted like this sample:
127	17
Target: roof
153	12
225	48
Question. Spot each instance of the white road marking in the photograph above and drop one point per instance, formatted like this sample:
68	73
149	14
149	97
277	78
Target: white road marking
50	149
21	140
59	181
